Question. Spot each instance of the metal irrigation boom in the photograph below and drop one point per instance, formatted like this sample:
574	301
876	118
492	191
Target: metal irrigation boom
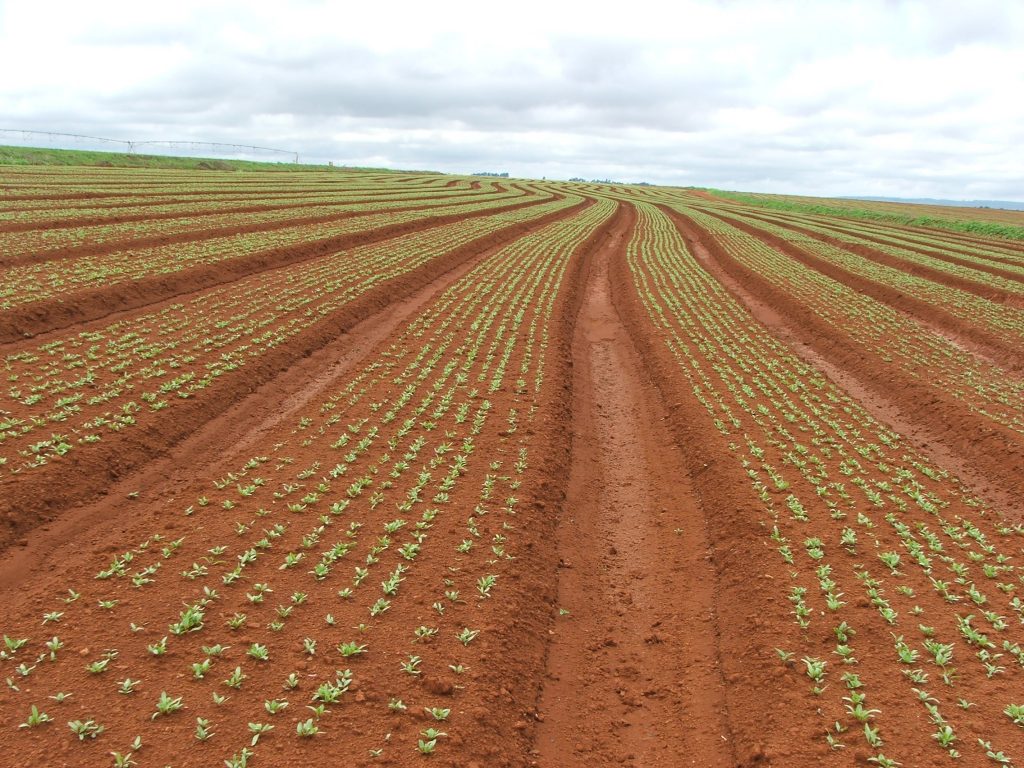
133	144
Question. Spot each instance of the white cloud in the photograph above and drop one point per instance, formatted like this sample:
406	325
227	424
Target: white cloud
919	97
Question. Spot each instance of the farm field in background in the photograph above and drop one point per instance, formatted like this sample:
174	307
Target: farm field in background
365	468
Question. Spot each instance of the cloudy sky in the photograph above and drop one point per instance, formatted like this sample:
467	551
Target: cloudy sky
869	97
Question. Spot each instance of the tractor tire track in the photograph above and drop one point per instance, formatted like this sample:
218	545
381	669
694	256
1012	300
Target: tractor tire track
633	674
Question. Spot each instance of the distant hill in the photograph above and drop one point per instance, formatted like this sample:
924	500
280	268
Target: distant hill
1009	205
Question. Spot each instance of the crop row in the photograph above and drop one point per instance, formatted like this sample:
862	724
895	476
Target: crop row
177	194
37	243
896	339
956	220
81	388
1005	320
894	571
979	254
66	215
30	283
53	183
349	584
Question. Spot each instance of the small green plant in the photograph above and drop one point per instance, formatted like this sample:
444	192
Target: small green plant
484	585
36	718
235	678
397	705
1016	713
259	652
85	729
351	649
273	706
257	730
203	731
307	728
166	705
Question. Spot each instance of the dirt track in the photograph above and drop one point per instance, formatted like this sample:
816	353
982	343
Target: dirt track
626	664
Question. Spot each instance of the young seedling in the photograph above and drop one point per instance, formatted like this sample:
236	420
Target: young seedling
1016	713
351	649
203	731
166	705
85	729
257	730
397	705
235	678
484	585
96	667
307	728
240	759
424	633
36	718
273	706
53	645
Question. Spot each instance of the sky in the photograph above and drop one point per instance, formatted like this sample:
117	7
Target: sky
855	97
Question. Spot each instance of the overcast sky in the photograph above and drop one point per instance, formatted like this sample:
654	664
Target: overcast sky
873	97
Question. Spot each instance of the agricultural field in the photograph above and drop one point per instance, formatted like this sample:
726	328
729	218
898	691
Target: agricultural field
353	467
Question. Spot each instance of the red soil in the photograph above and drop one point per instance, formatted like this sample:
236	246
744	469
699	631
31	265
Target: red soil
1000	349
984	449
26	502
1013	298
640	600
84	306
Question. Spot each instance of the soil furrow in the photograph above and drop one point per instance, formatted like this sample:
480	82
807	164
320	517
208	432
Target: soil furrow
633	672
80	478
71	309
240	426
920	270
976	448
950	250
174	198
980	341
764	722
195	235
89	221
165	188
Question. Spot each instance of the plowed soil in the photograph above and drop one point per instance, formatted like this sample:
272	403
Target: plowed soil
512	506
